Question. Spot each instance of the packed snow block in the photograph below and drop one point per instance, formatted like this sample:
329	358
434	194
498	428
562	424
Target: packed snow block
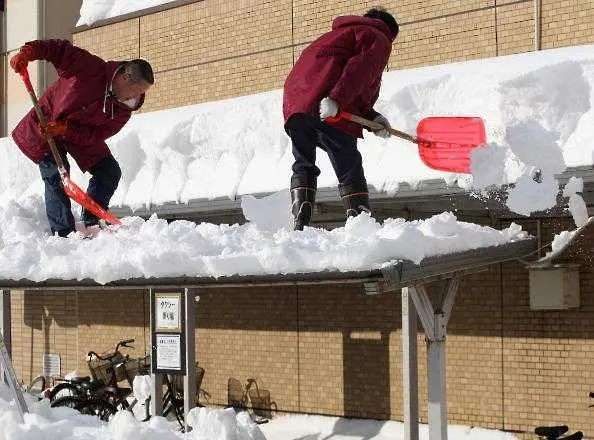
555	287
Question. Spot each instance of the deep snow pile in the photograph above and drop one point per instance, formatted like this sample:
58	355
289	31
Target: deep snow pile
536	107
155	248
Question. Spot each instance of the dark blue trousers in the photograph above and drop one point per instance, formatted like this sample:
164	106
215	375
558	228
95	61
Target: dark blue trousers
105	176
307	133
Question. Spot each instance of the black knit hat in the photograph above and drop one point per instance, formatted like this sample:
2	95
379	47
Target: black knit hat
386	17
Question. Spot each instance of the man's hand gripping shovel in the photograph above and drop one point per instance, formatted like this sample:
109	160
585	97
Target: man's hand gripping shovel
71	189
445	143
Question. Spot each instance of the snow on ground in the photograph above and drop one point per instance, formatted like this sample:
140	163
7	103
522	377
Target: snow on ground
208	423
95	10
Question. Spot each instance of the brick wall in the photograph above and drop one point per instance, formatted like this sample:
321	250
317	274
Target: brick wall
332	350
567	23
547	355
212	50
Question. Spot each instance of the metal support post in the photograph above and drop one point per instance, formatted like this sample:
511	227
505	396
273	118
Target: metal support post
157	394
156	379
410	367
13	382
435	323
436	383
190	390
5	327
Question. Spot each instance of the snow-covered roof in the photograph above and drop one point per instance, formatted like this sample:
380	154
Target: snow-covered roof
562	241
536	107
393	274
92	11
537	112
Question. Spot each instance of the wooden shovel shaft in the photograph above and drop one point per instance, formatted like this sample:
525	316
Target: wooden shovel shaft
377	126
43	124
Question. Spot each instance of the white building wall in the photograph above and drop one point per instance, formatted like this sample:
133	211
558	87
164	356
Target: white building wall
26	20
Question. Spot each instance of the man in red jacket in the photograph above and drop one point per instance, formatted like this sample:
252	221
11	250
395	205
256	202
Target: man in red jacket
91	101
341	70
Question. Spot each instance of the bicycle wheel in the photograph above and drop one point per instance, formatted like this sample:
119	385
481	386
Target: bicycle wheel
173	402
176	408
67	402
37	385
64	389
97	407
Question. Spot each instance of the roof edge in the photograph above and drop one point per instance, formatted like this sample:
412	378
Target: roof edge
549	259
133	15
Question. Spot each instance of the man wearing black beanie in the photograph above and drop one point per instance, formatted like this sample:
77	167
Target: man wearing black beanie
341	70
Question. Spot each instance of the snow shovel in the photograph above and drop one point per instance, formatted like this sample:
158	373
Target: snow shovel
71	189
445	143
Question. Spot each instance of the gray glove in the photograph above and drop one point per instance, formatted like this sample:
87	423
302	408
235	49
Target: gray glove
383	133
328	108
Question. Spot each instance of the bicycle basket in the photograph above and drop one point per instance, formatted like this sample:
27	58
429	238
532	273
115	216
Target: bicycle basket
101	370
141	366
108	369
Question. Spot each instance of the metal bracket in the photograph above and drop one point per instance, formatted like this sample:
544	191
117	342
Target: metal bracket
435	321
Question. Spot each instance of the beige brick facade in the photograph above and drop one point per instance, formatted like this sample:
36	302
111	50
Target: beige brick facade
332	350
211	49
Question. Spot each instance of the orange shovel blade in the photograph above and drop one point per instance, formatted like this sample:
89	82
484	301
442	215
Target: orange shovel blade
83	199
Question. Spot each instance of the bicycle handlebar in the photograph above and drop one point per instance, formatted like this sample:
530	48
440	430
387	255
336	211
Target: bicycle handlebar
122	343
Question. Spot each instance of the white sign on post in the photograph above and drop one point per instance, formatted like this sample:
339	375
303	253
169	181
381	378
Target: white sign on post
168	311
51	365
168	352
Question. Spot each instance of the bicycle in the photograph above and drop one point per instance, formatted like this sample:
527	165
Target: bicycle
99	395
173	398
251	399
555	432
101	374
42	385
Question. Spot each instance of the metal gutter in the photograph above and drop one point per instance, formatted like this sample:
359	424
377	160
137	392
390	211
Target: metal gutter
466	261
325	277
426	191
398	273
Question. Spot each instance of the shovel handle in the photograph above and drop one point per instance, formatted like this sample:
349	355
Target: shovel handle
374	126
42	122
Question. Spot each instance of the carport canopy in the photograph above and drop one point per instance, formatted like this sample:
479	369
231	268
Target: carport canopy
401	275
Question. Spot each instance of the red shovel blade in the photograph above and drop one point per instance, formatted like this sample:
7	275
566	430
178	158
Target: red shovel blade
446	143
83	199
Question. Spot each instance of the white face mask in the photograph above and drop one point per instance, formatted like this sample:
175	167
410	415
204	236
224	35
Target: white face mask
130	102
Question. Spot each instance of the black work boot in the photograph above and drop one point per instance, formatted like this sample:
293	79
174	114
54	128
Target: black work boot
355	198
302	199
89	219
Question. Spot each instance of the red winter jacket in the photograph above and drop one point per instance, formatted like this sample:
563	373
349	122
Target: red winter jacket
345	64
80	96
